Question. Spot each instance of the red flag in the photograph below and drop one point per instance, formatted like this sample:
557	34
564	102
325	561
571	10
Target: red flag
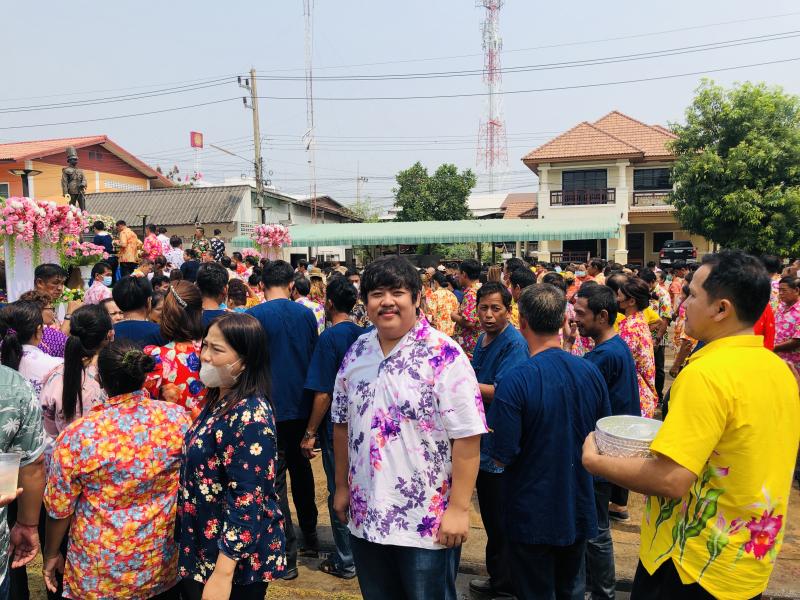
196	139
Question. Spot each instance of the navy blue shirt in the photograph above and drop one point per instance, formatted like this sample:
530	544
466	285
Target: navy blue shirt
104	240
490	363
614	360
459	295
142	333
210	314
333	344
291	336
542	412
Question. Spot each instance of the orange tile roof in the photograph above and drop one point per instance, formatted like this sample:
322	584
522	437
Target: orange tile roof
517	206
613	136
19	151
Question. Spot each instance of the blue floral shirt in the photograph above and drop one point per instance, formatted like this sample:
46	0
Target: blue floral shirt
227	502
402	411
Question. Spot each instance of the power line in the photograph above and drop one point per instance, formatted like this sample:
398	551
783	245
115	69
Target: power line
539	90
141	114
558	45
556	65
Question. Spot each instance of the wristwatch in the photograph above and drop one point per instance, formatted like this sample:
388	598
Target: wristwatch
309	435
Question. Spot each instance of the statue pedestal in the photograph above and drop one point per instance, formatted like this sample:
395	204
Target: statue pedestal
20	266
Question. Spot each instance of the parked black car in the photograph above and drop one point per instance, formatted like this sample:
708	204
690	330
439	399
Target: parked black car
677	250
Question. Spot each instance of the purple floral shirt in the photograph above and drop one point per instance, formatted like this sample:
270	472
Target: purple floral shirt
402	411
53	342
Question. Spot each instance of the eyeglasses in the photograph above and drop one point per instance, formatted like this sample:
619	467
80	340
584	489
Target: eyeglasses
51	308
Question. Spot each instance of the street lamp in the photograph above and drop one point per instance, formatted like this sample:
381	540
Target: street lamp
24	174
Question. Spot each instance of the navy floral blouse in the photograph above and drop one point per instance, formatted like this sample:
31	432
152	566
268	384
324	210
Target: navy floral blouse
227	501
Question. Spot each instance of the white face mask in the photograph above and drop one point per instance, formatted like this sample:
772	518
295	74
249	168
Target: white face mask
218	377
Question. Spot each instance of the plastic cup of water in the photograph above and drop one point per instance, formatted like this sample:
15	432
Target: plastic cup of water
9	472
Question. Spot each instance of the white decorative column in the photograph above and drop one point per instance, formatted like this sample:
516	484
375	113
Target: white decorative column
20	264
621	253
543	253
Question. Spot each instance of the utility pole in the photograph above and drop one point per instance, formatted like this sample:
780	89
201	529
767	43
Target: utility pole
250	85
359	181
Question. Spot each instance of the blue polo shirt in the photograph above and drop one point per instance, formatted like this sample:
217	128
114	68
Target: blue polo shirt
333	344
142	333
291	336
490	363
614	360
542	412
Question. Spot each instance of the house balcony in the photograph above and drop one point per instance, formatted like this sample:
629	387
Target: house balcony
651	198
583	197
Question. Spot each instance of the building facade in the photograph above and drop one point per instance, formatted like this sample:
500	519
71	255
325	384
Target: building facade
107	167
616	167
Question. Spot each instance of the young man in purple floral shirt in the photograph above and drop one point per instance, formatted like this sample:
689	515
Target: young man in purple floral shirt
408	417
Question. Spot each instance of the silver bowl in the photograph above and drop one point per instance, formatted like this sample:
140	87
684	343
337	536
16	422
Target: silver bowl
626	436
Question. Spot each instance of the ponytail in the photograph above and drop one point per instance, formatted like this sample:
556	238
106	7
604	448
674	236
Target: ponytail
89	329
19	322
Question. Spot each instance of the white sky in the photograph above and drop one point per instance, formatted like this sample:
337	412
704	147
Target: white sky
90	49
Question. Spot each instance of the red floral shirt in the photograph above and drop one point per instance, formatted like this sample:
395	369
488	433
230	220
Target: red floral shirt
635	332
176	377
467	335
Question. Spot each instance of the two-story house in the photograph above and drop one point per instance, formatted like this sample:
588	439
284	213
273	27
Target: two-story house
616	167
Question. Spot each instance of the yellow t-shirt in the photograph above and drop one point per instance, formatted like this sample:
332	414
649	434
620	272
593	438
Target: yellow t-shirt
513	315
733	421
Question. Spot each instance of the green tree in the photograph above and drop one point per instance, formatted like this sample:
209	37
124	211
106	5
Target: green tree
737	173
438	197
364	210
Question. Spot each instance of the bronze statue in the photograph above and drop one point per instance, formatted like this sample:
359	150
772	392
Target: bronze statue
73	181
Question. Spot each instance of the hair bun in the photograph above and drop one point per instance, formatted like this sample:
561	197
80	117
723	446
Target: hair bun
137	363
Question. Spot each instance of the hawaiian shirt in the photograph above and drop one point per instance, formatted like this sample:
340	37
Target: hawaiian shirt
787	327
116	472
151	248
97	293
467	336
218	248
128	246
359	315
20	432
201	245
50	398
174	257
634	331
165	245
176	376
662	305
54	341
513	314
402	411
227	500
442	304
774	300
319	312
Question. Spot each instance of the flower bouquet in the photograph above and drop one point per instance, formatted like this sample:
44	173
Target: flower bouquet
83	254
271	238
250	252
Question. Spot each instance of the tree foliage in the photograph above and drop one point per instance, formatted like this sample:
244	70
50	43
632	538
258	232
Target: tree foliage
737	172
364	210
438	197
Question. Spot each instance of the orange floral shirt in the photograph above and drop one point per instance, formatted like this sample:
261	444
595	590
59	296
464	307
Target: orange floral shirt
116	472
442	304
636	334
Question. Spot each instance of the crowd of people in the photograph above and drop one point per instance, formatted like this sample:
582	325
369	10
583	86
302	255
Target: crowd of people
158	418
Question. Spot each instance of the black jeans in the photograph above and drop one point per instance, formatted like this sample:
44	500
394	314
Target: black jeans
490	500
541	572
290	434
619	495
601	578
658	353
193	590
666	584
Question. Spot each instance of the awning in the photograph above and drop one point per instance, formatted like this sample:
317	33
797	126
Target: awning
447	232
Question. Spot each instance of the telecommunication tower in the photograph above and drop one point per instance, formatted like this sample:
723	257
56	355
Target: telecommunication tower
492	146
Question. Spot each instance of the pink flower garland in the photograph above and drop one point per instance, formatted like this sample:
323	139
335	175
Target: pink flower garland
275	236
30	220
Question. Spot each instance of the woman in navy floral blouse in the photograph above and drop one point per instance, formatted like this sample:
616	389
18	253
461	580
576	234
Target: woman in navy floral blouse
229	526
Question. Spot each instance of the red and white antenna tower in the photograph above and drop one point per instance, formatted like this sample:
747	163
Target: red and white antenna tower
492	146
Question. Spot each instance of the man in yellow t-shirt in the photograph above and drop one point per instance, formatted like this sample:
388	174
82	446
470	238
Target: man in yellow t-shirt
718	486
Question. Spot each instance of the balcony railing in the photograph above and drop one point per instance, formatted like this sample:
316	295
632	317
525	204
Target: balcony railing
575	256
582	197
651	198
